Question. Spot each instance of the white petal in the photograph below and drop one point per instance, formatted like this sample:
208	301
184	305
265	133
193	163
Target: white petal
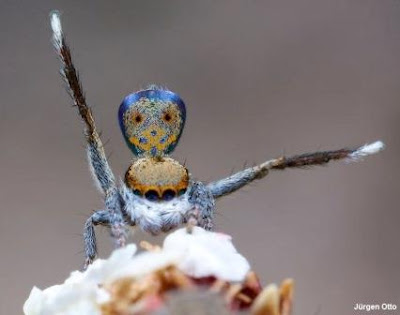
207	254
103	269
144	264
199	254
33	305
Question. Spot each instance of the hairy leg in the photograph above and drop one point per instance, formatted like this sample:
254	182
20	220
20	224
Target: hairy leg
236	181
203	210
106	218
118	224
101	217
95	151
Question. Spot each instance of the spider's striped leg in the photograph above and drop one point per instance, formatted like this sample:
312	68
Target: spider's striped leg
97	157
104	178
203	202
236	181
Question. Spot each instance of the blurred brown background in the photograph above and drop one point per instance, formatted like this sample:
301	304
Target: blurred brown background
260	78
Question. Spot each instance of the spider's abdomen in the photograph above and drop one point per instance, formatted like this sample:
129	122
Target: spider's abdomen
152	121
157	179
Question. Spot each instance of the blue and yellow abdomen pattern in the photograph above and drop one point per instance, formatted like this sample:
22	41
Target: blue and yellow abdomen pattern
152	121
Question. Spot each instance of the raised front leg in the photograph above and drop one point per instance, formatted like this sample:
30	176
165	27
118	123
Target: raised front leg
202	200
95	150
232	183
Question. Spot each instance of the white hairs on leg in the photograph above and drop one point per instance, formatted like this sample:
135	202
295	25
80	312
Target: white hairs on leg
56	27
366	150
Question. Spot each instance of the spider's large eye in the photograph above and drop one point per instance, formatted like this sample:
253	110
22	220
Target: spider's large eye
151	195
168	195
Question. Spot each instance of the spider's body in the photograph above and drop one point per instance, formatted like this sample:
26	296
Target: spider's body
157	216
157	179
158	193
152	121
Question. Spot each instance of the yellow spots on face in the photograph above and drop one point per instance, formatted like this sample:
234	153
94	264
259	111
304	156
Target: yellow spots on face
153	137
153	127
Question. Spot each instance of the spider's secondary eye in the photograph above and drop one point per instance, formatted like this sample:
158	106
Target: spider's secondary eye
181	192
151	195
168	195
137	192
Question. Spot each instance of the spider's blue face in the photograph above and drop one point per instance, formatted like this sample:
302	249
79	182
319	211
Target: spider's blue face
152	121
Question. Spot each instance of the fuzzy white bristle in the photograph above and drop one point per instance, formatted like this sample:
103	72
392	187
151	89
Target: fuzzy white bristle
366	150
55	23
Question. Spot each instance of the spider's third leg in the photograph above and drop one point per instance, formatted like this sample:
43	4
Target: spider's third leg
202	200
95	150
236	181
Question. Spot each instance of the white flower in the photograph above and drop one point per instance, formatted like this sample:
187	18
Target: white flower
206	253
198	254
66	299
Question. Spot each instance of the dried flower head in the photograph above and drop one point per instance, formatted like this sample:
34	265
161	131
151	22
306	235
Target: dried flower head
197	266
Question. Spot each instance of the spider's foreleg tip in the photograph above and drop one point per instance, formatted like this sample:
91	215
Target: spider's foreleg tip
367	149
87	263
54	12
55	23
